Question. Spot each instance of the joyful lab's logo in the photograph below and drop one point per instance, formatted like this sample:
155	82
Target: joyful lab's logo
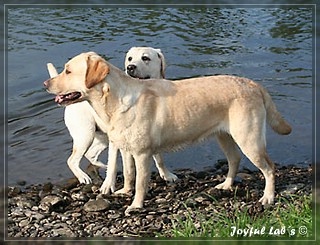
249	232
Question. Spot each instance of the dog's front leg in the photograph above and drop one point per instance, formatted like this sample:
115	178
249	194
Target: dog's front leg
143	170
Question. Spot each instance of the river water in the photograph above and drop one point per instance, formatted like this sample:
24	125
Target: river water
272	46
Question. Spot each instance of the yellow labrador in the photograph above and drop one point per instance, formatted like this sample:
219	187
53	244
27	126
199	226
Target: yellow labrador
147	117
82	121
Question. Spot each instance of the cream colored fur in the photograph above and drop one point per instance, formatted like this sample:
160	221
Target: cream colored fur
82	121
143	118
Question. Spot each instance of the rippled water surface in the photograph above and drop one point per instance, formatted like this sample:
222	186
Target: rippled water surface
272	46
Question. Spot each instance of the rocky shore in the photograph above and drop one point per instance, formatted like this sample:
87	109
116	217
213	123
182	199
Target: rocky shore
72	210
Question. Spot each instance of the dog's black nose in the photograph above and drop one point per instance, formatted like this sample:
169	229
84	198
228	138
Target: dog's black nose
131	68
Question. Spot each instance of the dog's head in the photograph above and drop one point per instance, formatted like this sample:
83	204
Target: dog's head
144	63
80	74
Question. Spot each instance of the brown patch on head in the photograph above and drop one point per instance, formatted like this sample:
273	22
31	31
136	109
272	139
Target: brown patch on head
97	70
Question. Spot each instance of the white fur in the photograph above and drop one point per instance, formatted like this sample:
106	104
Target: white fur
82	122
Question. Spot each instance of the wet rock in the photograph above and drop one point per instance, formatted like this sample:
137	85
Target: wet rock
79	197
70	183
22	182
96	205
87	188
24	202
52	202
47	187
14	191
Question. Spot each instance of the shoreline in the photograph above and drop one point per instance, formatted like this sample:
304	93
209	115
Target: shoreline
70	209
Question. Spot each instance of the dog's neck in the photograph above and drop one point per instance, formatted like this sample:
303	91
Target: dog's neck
124	90
102	119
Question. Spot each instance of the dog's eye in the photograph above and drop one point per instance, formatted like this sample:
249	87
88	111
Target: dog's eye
130	58
145	58
68	71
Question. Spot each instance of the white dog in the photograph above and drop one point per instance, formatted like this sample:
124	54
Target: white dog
143	118
83	123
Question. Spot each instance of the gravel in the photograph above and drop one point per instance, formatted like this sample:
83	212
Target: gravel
70	209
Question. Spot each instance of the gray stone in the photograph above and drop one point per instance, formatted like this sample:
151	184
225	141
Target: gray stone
49	201
24	203
96	205
292	188
17	212
24	222
245	176
64	232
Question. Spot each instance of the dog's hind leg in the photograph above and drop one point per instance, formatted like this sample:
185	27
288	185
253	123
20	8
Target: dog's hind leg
249	134
261	160
99	144
109	184
231	151
82	130
163	171
74	165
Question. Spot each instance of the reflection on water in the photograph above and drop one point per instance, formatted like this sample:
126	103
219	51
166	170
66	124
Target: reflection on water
270	45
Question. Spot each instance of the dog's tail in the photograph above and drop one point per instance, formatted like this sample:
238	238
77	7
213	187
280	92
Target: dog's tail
274	118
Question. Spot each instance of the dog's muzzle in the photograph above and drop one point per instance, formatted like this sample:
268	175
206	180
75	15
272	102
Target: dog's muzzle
131	69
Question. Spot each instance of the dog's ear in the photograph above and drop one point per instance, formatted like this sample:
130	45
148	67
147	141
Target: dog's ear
163	62
97	70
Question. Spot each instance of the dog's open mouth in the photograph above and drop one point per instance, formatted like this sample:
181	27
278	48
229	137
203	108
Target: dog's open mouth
67	98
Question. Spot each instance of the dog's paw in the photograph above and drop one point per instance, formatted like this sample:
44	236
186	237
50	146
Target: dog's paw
132	209
223	186
84	179
124	191
107	188
267	199
169	177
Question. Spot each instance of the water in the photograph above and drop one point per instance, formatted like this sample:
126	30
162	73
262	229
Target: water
272	46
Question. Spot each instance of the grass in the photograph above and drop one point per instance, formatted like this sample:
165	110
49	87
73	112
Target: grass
290	218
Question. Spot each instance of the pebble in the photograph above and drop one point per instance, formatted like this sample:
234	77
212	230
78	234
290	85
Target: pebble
21	182
96	205
161	200
51	202
245	176
63	232
76	210
24	203
24	223
292	188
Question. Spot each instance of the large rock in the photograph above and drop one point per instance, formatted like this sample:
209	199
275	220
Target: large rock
96	205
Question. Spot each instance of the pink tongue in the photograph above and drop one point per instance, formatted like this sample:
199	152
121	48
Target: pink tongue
59	99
